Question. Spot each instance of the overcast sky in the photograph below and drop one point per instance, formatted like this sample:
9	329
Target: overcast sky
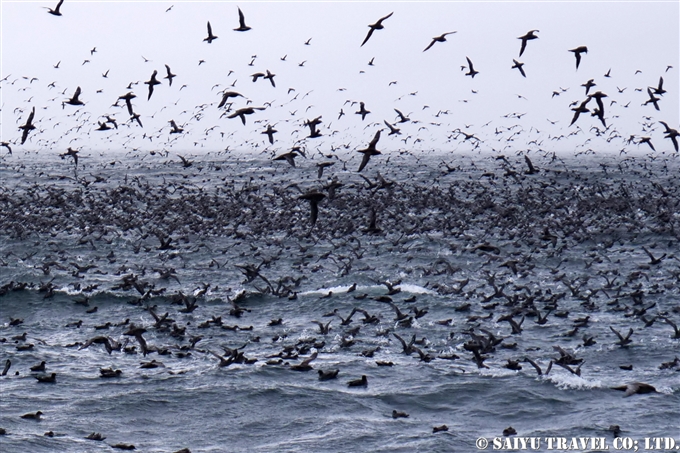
637	41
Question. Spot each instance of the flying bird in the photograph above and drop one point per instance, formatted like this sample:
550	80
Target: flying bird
74	100
170	75
243	112
370	151
471	70
210	37
441	38
577	53
314	199
151	82
518	65
241	22
55	11
530	35
376	26
226	95
28	127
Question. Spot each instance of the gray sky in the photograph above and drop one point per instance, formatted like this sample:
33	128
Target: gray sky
622	36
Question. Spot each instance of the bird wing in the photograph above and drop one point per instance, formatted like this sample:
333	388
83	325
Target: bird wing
370	32
430	45
209	29
241	19
364	161
374	141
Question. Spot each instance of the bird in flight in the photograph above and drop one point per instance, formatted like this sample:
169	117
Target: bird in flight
441	38
471	70
241	22
170	75
243	112
376	26
530	35
577	53
314	199
151	82
370	151
74	100
55	11
518	65
210	37
28	127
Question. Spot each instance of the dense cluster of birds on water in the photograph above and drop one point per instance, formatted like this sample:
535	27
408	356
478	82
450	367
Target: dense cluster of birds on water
509	216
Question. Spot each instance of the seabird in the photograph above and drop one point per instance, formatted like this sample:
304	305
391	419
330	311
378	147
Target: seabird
635	388
243	112
440	38
170	75
210	38
242	22
362	111
314	199
530	35
376	26
577	53
288	157
327	375
28	127
151	82
518	65
471	70
226	95
370	151
363	382
47	379
55	11
32	416
74	100
270	133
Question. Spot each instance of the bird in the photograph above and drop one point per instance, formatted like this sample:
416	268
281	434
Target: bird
376	26
288	157
170	75
8	364
362	111
47	379
226	95
152	82
532	170
39	367
623	341
74	99
399	414
530	35
393	130
270	133
363	382
440	38
659	90
519	65
28	127
241	22
327	375
243	112
128	97
370	151
471	70
580	109
210	38
634	388
32	416
577	53
314	199
71	152
175	129
55	11
588	85
6	145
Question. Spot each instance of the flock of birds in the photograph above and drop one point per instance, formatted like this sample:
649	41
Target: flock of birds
512	219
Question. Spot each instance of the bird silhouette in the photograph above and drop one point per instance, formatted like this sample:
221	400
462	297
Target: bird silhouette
530	35
471	70
577	53
370	151
210	38
152	82
55	11
376	26
28	126
241	22
440	38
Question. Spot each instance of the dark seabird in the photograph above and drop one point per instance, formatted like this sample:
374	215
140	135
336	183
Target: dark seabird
6	145
28	127
39	367
623	341
635	388
531	170
393	130
402	117
74	100
363	382
175	129
226	95
370	151
327	375
123	446
288	157
530	35
518	65
170	75
71	152
399	414
577	53
509	431
241	22
128	97
580	109
441	428
152	82
210	38
671	133
376	26
314	199
109	372
32	416
441	38
362	111
321	166
55	11
270	133
243	112
471	70
659	90
652	99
